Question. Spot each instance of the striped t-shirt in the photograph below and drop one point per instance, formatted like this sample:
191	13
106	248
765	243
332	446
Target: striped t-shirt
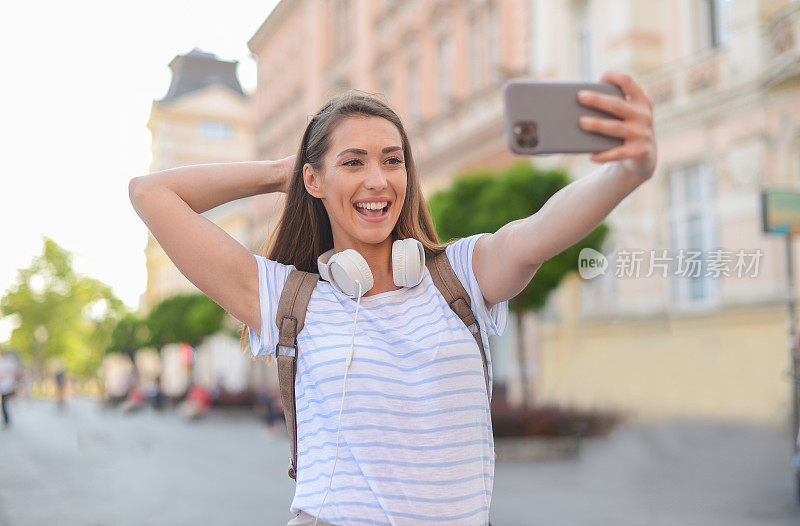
416	441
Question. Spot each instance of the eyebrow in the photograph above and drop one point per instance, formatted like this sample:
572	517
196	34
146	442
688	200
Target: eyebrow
364	152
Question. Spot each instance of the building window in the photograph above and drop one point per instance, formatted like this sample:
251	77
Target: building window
692	235
797	168
494	41
530	35
446	58
385	76
475	53
344	22
340	84
413	92
215	130
386	82
712	26
585	41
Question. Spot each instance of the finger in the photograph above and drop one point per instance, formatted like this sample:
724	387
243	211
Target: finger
630	87
612	127
617	153
608	103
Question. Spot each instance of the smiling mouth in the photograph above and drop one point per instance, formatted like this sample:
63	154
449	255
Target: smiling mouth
373	212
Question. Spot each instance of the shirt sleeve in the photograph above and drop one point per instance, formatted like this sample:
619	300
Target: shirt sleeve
272	277
459	253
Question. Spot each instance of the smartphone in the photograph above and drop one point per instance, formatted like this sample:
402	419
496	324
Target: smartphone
541	117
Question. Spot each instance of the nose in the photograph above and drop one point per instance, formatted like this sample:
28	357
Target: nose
375	179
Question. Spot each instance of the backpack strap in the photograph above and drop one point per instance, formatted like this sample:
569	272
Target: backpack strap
289	319
456	296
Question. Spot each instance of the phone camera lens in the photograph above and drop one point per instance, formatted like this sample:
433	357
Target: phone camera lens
526	134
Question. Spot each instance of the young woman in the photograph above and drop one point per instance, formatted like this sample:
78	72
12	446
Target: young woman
412	441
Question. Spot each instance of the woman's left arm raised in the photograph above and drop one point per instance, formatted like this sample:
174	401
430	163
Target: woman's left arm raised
505	262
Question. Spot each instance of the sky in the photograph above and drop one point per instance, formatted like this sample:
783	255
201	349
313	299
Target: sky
80	78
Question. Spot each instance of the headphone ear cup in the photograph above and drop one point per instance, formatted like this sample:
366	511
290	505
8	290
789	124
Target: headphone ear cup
322	265
347	267
408	262
398	263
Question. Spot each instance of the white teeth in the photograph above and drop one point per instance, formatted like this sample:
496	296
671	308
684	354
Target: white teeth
373	206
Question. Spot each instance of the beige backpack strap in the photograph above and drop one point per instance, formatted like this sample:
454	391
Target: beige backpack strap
289	319
456	296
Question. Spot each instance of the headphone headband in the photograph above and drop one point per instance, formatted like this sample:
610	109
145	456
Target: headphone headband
344	268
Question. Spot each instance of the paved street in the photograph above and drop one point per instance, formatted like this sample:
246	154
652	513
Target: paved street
90	466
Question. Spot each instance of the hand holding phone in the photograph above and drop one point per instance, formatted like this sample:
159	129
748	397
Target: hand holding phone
542	117
618	117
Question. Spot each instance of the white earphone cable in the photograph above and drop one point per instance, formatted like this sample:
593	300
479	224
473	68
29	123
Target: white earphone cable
344	388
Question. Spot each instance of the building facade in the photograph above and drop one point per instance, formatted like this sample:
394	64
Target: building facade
709	344
723	76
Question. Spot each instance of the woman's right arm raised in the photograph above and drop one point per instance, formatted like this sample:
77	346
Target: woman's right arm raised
170	203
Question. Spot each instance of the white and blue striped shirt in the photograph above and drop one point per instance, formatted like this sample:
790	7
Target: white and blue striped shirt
416	442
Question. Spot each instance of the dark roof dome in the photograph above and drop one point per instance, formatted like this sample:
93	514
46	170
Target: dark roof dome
198	69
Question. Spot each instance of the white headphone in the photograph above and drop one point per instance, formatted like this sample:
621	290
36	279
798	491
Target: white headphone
345	268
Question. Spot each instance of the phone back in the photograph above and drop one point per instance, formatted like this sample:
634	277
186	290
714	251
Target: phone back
542	117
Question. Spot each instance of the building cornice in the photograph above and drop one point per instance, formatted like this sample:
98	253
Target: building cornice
271	24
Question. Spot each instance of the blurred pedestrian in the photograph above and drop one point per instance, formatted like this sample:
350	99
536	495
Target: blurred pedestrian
134	401
157	395
9	372
197	402
217	390
26	382
269	409
61	380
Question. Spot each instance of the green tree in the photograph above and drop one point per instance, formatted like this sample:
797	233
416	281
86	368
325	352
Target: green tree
129	335
186	318
60	313
484	201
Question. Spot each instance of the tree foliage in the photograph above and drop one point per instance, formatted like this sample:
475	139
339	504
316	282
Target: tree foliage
60	313
129	335
186	318
484	201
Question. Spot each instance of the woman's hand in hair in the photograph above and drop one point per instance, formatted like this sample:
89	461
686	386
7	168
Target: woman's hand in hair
638	153
284	172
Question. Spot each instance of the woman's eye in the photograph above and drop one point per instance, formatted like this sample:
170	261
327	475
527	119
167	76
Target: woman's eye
357	162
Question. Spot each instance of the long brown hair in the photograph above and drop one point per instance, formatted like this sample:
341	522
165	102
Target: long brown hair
303	231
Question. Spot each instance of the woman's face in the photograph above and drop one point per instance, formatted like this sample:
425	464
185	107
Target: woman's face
363	180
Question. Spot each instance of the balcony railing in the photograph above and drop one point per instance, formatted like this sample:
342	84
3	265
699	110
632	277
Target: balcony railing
714	69
678	83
